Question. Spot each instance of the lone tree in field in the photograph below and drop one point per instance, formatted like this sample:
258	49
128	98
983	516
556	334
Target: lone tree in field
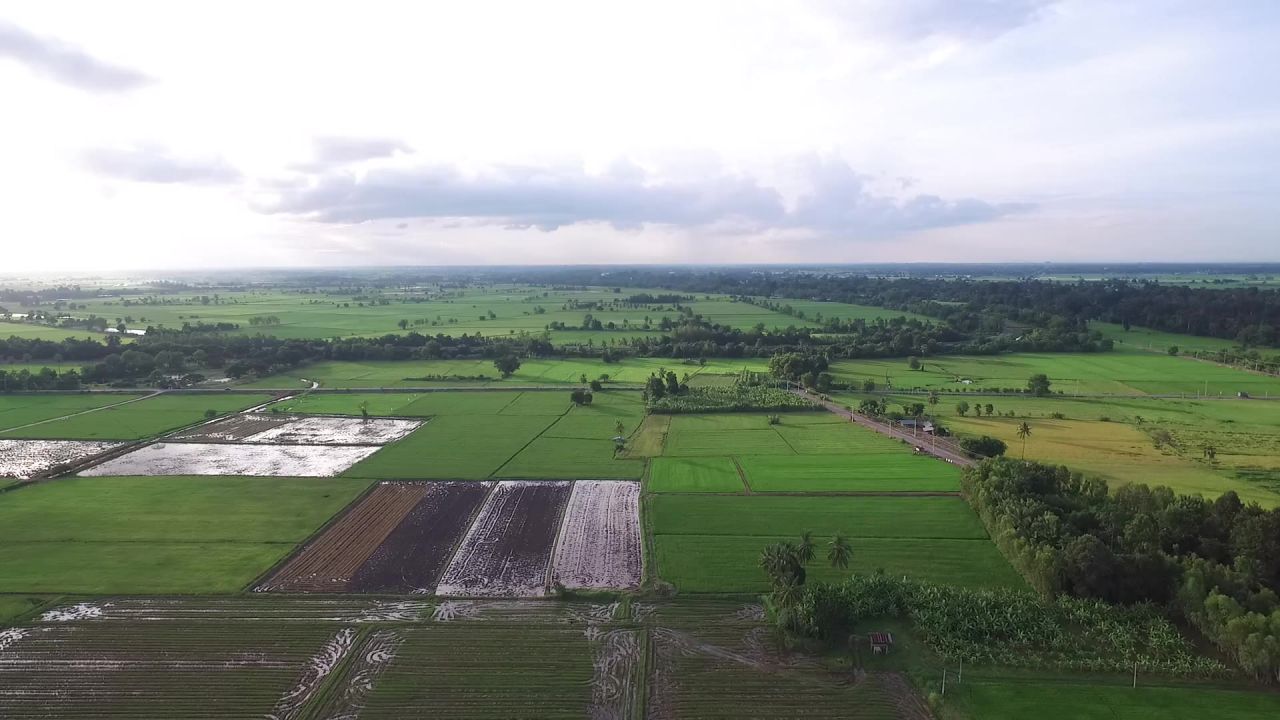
1024	432
364	411
1210	452
210	414
507	365
581	397
838	552
619	428
962	408
804	551
781	562
1038	385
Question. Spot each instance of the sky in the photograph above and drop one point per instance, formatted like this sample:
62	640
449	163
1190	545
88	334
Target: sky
236	134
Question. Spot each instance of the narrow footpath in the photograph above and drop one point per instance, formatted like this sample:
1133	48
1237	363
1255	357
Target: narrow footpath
925	444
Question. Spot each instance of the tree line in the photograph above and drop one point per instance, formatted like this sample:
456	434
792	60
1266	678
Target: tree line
1214	563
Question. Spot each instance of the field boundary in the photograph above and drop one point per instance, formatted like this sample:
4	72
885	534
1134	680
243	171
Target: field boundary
303	543
742	474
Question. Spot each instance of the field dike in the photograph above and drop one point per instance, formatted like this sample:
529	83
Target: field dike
319	667
361	675
617	683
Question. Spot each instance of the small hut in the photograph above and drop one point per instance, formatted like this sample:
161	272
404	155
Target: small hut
880	642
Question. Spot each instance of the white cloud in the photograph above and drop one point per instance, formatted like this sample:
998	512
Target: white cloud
66	63
1016	126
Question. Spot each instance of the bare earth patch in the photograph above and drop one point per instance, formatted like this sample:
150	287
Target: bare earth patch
599	545
336	431
234	428
508	548
219	459
25	459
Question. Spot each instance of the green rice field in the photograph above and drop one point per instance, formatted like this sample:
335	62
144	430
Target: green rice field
712	543
158	534
1121	372
19	410
1010	700
147	417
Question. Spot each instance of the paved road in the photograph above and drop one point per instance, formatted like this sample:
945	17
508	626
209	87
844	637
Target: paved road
923	442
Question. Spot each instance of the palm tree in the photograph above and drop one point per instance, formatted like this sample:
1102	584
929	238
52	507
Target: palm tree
839	553
1138	419
933	397
1024	432
804	551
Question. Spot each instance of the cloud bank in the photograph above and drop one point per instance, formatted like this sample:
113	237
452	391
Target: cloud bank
154	164
66	63
839	200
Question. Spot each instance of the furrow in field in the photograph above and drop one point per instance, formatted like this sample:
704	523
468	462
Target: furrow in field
329	562
599	543
412	556
508	548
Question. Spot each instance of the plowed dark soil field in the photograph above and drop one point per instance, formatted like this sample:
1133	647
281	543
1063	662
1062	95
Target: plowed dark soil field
416	552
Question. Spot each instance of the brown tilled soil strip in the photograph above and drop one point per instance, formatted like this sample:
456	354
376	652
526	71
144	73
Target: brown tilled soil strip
328	562
416	552
908	702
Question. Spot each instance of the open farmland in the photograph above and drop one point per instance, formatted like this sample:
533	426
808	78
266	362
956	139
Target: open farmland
328	657
599	544
711	543
228	459
1116	439
157	534
508	549
32	331
524	435
19	410
709	474
24	459
1121	372
901	472
144	418
96	670
481	373
396	539
491	311
1053	699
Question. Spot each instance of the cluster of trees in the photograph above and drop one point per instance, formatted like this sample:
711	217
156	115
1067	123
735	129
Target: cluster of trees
156	360
809	368
1000	627
1250	316
665	383
46	379
1216	562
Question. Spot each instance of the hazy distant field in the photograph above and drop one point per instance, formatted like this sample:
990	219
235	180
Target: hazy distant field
493	310
1132	372
1113	438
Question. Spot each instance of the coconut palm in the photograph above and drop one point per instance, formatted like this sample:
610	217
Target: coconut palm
804	551
1024	432
838	551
